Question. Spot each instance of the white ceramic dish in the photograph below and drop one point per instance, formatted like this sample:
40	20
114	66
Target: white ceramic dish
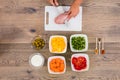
78	55
50	47
86	41
53	57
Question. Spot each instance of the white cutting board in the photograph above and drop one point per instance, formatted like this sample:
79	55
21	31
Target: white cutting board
51	12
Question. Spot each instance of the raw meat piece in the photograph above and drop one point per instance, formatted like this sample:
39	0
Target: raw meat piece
60	19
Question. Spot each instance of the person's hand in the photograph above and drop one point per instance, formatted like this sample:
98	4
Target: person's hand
53	2
73	11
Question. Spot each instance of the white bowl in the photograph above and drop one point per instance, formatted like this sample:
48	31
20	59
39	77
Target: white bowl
87	62
50	47
53	57
36	60
86	41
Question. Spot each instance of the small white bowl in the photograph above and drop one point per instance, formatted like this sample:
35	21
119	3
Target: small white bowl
36	60
86	41
87	62
48	64
50	47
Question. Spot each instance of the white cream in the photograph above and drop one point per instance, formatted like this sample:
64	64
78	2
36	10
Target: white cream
37	60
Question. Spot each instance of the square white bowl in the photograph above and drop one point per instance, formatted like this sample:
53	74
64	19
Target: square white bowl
50	47
48	64
86	41
87	62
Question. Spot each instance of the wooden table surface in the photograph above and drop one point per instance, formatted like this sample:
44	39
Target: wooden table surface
21	20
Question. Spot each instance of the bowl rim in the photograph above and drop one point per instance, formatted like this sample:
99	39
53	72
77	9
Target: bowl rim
83	55
48	64
86	40
50	47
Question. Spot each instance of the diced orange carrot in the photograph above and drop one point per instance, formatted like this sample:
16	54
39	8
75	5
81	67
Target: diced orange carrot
57	65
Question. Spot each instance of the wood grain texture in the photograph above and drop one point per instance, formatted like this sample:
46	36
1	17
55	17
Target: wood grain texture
21	20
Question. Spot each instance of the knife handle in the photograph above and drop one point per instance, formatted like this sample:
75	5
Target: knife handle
47	18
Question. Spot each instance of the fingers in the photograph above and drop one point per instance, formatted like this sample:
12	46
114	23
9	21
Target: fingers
51	2
71	14
68	12
69	17
55	2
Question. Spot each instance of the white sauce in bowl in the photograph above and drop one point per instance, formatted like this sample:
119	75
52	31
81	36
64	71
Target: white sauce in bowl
37	60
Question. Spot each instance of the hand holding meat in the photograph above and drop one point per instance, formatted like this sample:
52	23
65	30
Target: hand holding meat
74	9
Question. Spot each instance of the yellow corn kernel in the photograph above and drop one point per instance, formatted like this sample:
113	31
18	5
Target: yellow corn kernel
58	44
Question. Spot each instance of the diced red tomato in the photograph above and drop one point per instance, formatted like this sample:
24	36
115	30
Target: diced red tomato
79	63
74	60
82	59
77	67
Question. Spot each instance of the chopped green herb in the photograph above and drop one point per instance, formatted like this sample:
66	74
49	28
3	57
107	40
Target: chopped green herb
78	43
